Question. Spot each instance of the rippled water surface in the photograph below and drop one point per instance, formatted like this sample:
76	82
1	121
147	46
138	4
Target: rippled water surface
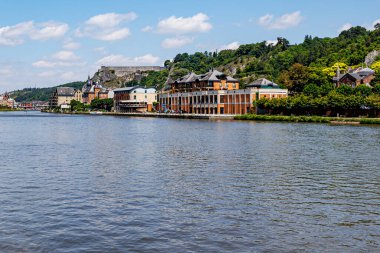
110	184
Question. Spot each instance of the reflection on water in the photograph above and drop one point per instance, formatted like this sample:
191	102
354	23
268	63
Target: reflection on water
88	183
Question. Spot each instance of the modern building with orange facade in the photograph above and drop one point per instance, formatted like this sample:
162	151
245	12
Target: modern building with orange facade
215	93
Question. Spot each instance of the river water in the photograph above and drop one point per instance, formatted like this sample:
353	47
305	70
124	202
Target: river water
117	184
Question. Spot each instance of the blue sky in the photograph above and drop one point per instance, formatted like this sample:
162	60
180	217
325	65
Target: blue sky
45	43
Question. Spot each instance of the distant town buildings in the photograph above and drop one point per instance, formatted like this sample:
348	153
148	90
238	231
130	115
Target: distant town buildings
6	101
134	99
354	77
215	93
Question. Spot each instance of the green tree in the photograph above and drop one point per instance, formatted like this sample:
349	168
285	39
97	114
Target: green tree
345	90
312	90
296	78
363	90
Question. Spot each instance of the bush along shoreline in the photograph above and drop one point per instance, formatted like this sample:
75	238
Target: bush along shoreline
307	119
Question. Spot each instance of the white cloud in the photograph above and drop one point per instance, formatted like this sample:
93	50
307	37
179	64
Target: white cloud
147	28
43	64
375	22
271	42
17	34
69	45
47	74
101	50
50	30
232	46
176	42
65	56
113	35
195	24
62	58
106	27
55	64
70	76
109	20
6	71
345	27
113	60
285	21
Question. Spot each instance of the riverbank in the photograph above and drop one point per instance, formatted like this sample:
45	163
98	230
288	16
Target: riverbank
308	119
8	110
154	115
248	117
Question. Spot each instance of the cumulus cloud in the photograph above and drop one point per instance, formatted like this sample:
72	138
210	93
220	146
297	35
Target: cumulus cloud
345	27
47	74
62	58
147	28
232	46
271	42
69	45
285	21
114	35
195	24
55	63
65	56
375	22
17	34
110	19
176	42
50	30
113	60
6	71
106	27
70	76
101	50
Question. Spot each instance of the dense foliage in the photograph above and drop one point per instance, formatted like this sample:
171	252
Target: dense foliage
313	61
96	104
344	100
102	104
40	94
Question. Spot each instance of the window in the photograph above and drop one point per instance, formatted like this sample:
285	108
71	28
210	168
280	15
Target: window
134	97
145	91
146	96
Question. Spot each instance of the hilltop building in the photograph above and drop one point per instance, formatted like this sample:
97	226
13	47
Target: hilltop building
62	97
354	77
134	99
214	93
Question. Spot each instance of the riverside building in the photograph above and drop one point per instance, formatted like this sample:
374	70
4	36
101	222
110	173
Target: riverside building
62	97
215	93
134	99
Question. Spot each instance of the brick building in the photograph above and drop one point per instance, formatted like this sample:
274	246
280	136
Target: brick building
214	93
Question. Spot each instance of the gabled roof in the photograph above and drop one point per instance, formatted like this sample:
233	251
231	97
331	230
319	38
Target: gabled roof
191	77
263	83
215	75
65	91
